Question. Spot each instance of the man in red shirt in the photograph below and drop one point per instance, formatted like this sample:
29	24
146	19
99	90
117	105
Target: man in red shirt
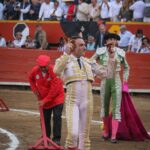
50	93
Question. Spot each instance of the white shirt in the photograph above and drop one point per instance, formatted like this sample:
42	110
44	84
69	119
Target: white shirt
124	39
24	11
105	11
45	10
115	9
135	43
2	42
1	11
58	12
82	12
145	50
94	12
18	43
90	46
61	4
65	10
138	9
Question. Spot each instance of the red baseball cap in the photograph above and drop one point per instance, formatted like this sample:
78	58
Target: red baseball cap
43	60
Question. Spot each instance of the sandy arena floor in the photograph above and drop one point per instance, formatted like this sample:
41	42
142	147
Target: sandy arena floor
26	126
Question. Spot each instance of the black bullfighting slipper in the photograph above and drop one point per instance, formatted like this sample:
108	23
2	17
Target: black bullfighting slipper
104	138
114	141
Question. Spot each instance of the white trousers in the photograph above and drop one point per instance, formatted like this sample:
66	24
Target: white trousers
79	108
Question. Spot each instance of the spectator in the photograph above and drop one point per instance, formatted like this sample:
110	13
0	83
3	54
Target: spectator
71	10
147	11
125	14
115	7
34	10
125	36
104	10
24	8
19	41
94	11
61	3
100	36
1	11
40	38
50	93
61	47
90	43
10	12
10	44
2	41
56	12
45	9
145	48
64	7
138	10
136	41
82	11
29	43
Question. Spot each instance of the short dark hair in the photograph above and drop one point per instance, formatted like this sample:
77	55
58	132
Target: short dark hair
139	31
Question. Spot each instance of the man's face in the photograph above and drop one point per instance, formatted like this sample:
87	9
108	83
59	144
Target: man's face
43	68
139	35
79	47
118	1
56	4
25	1
18	35
102	28
47	1
122	30
112	41
39	28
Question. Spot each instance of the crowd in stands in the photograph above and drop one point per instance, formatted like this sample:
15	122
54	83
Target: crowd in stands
76	10
137	43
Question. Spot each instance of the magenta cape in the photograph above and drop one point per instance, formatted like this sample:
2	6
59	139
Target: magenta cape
131	126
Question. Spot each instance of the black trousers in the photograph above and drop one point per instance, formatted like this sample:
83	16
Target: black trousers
57	121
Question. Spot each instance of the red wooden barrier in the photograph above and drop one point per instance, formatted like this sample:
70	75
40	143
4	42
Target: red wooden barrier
16	63
44	142
3	106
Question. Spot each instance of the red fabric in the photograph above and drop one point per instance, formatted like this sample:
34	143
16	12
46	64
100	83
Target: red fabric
131	126
50	87
43	60
71	10
72	148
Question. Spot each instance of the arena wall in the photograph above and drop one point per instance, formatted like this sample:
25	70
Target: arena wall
15	65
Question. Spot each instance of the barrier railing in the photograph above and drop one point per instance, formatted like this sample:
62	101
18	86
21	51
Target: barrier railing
15	65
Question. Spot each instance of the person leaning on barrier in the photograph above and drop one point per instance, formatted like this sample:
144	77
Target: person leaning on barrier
40	38
50	93
77	72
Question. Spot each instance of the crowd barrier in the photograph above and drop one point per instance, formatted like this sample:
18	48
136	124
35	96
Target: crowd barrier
15	65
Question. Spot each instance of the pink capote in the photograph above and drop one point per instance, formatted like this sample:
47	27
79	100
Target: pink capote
131	126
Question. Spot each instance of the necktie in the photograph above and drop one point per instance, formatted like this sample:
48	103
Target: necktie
79	62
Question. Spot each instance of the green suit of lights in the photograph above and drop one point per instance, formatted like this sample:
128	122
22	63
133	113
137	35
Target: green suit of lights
111	87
